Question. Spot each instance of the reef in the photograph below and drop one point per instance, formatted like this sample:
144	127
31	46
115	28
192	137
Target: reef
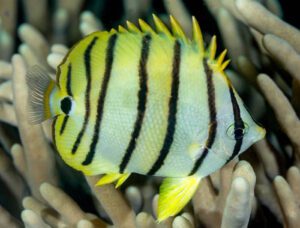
261	188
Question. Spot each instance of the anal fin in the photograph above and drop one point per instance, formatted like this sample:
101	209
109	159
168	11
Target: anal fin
174	194
122	179
112	177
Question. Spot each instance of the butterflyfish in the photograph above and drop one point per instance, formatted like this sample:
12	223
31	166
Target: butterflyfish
147	101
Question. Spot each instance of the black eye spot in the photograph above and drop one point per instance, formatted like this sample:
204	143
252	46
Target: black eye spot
66	105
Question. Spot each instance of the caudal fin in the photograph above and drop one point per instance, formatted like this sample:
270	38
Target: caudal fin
40	87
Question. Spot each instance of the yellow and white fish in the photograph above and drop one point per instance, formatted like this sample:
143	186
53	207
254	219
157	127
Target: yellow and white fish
145	101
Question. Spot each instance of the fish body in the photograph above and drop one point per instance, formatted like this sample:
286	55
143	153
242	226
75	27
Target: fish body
147	102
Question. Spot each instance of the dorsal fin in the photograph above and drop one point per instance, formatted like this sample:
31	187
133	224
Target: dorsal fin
197	35
212	48
177	32
221	57
160	26
225	64
122	29
132	28
145	27
113	31
176	29
218	64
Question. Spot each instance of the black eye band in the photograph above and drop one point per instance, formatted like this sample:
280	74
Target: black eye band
66	105
239	133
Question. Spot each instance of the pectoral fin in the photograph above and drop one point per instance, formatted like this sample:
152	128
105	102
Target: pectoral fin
112	177
174	194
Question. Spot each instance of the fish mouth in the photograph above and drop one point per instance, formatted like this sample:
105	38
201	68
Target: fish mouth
261	133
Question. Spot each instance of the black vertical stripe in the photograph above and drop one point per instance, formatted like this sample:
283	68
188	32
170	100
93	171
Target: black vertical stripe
100	104
69	92
142	101
69	74
64	124
172	111
238	125
53	132
212	131
87	63
58	74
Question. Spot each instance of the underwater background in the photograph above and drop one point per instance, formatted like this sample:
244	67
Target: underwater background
37	189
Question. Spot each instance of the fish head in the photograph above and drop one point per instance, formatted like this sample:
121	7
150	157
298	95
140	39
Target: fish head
237	132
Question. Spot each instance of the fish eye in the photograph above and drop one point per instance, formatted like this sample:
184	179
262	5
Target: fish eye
237	133
66	105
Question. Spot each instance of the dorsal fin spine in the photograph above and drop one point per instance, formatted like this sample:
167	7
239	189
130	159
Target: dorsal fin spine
177	32
146	27
113	30
160	26
132	28
225	64
197	35
221	57
176	29
122	29
212	48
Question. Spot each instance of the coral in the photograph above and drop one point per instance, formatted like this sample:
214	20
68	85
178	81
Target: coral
230	206
6	220
288	193
39	190
40	166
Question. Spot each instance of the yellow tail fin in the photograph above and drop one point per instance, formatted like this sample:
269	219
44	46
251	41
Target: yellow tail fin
174	194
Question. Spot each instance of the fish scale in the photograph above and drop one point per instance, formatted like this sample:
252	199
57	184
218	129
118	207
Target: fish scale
145	101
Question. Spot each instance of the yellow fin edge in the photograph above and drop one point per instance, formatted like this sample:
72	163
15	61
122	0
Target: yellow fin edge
217	64
122	179
132	28
160	26
178	32
212	48
176	29
112	177
145	27
174	194
197	35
